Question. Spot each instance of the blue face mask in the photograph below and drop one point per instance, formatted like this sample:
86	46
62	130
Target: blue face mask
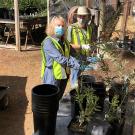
59	31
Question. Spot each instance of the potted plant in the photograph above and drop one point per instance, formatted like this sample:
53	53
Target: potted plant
118	83
86	101
88	109
85	105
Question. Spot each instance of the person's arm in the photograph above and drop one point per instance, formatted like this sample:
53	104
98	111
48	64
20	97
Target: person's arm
52	51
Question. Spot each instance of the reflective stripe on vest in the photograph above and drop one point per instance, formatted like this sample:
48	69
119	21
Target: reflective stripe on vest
79	37
58	70
43	64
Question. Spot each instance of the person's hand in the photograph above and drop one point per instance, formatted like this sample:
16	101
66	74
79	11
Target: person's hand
86	46
93	59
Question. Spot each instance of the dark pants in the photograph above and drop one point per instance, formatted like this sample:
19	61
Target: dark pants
62	86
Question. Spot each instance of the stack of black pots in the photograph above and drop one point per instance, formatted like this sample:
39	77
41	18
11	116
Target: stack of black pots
45	103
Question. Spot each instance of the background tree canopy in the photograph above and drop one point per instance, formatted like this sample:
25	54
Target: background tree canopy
40	4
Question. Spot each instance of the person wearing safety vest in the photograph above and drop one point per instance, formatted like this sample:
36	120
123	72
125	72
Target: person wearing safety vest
56	55
79	34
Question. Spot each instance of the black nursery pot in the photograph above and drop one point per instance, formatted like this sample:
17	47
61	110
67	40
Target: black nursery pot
99	87
116	89
100	91
119	89
75	129
45	103
4	100
98	126
75	109
74	105
117	127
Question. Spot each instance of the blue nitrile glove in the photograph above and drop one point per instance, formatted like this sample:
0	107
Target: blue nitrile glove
86	67
92	59
74	78
82	67
89	67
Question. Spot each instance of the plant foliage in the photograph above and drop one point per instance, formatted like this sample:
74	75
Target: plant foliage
40	4
86	96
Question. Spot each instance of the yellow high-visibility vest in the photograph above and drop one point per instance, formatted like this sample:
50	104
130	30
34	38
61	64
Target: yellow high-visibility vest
79	37
58	70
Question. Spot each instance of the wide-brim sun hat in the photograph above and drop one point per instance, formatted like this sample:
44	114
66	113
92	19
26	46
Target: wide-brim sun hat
83	10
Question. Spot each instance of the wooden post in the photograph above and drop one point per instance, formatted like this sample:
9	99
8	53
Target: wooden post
48	13
88	3
124	19
101	17
17	25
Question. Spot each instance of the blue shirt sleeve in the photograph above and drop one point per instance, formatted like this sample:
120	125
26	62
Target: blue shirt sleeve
53	52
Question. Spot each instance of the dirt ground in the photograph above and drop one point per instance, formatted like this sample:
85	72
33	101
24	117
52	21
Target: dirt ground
21	72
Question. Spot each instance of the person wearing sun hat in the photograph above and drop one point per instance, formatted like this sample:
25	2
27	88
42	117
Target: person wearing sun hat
79	34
